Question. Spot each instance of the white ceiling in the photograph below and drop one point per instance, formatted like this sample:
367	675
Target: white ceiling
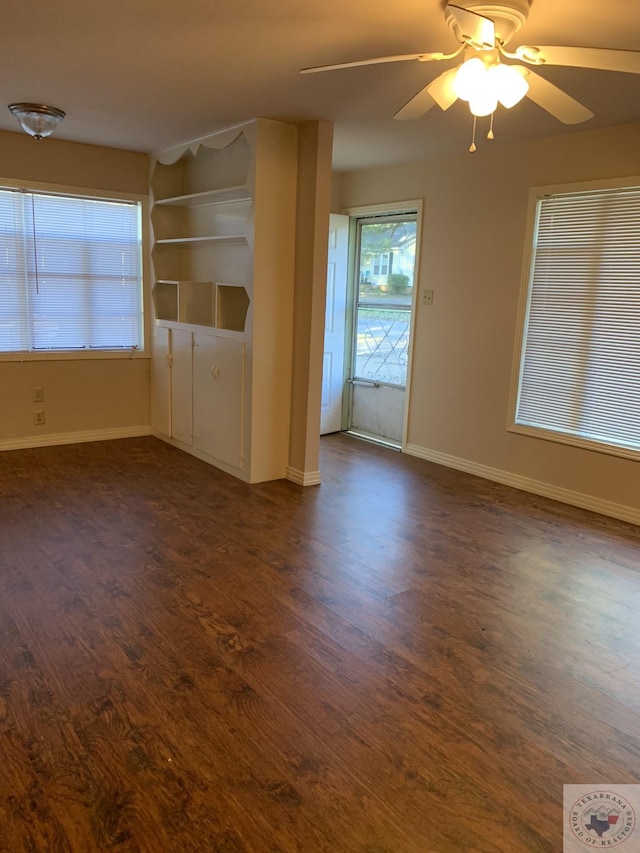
147	74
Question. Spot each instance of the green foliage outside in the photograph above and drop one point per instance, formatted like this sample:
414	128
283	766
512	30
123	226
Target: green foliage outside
380	237
397	283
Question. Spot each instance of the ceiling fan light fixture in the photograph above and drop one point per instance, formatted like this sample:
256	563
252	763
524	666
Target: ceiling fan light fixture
509	84
483	31
470	80
38	120
484	85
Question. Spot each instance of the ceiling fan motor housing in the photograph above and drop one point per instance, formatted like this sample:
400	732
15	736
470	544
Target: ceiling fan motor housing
507	17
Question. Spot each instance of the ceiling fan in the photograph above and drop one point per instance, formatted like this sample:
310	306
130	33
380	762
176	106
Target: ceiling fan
484	80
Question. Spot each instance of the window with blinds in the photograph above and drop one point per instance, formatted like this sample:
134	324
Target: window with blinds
70	273
579	371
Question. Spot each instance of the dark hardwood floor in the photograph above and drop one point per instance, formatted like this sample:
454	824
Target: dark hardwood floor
405	659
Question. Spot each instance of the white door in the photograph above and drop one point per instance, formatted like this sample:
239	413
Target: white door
333	362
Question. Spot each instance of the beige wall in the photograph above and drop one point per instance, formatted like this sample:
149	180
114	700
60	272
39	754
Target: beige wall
336	192
89	395
475	211
78	396
72	164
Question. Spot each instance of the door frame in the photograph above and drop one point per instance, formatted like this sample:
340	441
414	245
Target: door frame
392	208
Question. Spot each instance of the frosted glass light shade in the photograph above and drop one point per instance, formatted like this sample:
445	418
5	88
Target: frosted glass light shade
508	83
483	103
470	79
37	120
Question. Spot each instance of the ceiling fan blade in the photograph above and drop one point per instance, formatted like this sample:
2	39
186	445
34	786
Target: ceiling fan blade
581	57
417	106
439	91
423	57
554	100
472	28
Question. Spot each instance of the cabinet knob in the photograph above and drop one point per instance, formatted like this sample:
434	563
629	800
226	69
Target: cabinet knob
215	371
168	360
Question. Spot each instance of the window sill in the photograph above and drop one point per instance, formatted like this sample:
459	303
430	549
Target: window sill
575	441
75	355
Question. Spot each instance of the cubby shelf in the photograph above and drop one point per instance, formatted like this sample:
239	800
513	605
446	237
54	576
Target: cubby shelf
203	303
220	196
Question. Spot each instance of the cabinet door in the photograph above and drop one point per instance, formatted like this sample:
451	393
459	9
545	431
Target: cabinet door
230	393
161	382
218	393
182	386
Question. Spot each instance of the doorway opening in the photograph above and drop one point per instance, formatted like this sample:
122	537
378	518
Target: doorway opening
371	285
383	286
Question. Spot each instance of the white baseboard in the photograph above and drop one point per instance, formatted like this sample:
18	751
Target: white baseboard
303	478
526	484
296	476
73	437
234	470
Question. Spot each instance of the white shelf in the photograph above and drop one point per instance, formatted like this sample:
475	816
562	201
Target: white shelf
177	281
221	240
221	196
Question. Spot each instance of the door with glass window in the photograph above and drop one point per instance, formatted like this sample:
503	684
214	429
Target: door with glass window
383	304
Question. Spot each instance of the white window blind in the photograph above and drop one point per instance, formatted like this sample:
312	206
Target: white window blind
70	273
580	360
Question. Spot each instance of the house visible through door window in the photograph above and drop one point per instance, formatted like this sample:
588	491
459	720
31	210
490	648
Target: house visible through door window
382	264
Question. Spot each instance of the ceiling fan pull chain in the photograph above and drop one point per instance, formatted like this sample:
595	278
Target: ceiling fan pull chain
472	147
490	134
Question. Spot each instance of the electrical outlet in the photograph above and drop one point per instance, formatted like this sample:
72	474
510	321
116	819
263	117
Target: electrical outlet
38	395
38	417
427	297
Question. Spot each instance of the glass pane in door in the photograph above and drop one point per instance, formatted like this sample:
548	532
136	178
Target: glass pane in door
387	252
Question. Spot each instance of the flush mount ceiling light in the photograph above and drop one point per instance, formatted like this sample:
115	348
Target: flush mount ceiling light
37	120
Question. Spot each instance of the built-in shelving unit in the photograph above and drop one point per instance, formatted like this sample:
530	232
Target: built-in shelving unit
223	262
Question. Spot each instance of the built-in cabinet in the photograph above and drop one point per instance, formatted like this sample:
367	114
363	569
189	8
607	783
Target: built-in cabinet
223	227
199	392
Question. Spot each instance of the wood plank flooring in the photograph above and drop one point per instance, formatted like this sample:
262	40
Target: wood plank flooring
405	659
